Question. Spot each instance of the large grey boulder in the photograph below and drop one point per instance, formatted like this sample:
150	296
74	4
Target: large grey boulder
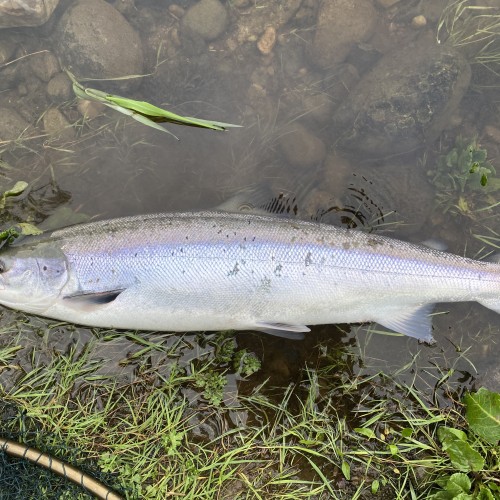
405	101
96	41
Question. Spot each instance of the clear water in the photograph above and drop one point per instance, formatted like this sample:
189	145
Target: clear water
114	166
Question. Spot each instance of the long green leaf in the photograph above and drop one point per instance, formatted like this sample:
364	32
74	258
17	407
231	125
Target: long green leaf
142	111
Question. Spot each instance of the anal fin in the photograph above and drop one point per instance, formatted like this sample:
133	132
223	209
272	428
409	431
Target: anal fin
284	330
414	322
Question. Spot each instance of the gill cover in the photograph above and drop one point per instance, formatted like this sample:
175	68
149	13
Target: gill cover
32	276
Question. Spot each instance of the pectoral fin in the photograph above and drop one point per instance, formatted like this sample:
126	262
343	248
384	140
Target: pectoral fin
414	322
294	332
90	300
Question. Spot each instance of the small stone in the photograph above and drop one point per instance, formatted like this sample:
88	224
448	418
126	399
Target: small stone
419	22
319	107
174	37
301	148
176	10
44	65
493	133
59	87
267	41
207	18
337	173
56	125
7	48
385	4
22	89
12	124
240	4
90	109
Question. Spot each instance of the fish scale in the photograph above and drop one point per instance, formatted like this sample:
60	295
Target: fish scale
215	270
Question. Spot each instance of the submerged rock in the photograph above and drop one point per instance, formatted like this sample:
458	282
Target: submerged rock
207	19
96	41
44	65
14	14
407	99
57	126
301	148
341	23
12	124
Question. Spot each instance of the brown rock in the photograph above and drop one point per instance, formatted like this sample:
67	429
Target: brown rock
341	23
12	125
95	40
301	148
267	41
27	13
493	133
56	125
44	65
59	87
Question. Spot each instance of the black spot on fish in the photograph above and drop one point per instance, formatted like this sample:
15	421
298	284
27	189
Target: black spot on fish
308	260
234	271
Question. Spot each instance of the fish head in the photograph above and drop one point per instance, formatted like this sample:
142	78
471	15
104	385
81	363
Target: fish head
32	277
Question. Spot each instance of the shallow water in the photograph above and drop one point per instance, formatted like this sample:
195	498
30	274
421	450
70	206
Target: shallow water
111	166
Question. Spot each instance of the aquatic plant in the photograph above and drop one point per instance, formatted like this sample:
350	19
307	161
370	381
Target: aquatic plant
474	28
464	179
9	235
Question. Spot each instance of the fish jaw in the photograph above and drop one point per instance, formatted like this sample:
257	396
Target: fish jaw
31	278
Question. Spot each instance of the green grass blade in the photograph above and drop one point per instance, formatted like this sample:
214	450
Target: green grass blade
157	114
144	112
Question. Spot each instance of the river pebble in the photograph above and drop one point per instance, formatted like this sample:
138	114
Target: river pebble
56	125
207	19
385	4
301	148
12	124
419	22
341	24
95	40
59	87
267	41
44	65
